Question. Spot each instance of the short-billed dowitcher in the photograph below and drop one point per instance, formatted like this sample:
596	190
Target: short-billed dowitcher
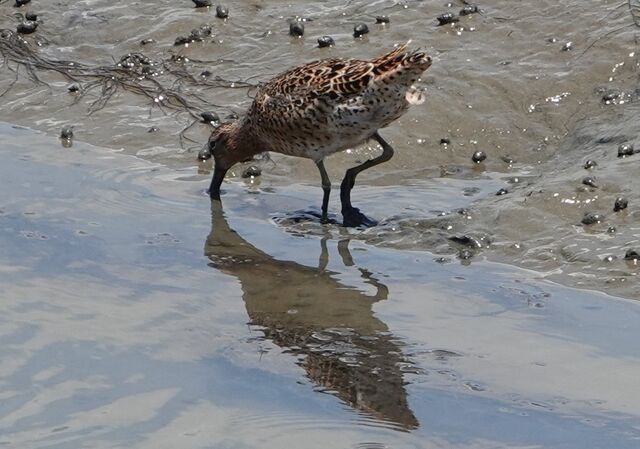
318	109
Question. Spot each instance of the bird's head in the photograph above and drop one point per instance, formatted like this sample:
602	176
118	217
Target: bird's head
230	144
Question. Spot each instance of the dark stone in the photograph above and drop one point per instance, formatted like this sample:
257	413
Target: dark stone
202	3
296	29
466	240
465	254
360	30
591	218
508	159
181	40
73	88
222	12
20	3
382	19
445	141
621	203
27	27
326	41
612	230
589	181
153	129
478	156
610	96
568	46
625	150
590	164
31	16
206	73
209	117
501	192
447	18
469	9
632	254
251	172
204	153
66	133
201	33
146	41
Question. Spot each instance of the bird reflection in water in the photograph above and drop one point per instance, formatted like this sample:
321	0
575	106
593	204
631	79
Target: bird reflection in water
342	346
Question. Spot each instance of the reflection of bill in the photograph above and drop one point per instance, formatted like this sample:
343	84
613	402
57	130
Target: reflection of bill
344	349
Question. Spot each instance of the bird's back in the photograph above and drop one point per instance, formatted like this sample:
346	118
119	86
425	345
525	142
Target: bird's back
329	105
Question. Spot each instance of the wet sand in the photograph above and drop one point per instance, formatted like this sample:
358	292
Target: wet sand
134	315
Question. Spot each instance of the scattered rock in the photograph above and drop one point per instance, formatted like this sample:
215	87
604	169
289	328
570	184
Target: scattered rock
296	29
478	156
326	41
612	230
447	18
197	35
205	153
591	218
501	192
632	254
222	12
469	9
625	150
589	181
66	133
382	19
610	96
202	3
590	164
508	159
567	46
31	16
73	88
209	117
621	203
147	41
27	27
20	3
360	30
445	141
251	171
206	73
466	240
465	254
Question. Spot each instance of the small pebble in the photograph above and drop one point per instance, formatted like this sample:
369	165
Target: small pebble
478	156
591	218
632	254
181	40
469	9
621	203
625	150
251	172
66	133
610	96
20	3
206	73
202	3
204	153
590	164
31	16
502	192
146	41
612	230
552	40
222	12
465	254
296	29
73	88
447	18
209	117
153	129
589	181
508	159
326	41
360	30
445	141
27	26
382	19
568	46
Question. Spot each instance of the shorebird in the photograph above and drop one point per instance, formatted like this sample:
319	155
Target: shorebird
320	108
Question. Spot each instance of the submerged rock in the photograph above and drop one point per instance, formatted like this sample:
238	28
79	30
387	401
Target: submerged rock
222	12
447	18
382	19
66	133
469	9
202	3
27	27
296	29
632	254
589	181
251	171
621	203
478	156
625	150
20	3
591	218
209	117
590	164
326	41
360	30
205	153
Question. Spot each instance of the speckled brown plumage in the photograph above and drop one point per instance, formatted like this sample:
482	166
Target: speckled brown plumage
320	108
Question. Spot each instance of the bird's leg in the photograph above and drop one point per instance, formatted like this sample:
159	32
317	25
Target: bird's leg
326	188
216	181
351	215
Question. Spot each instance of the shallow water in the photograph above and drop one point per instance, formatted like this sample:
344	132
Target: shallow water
500	83
134	317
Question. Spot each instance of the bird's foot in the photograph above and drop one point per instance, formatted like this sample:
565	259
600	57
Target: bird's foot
353	218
